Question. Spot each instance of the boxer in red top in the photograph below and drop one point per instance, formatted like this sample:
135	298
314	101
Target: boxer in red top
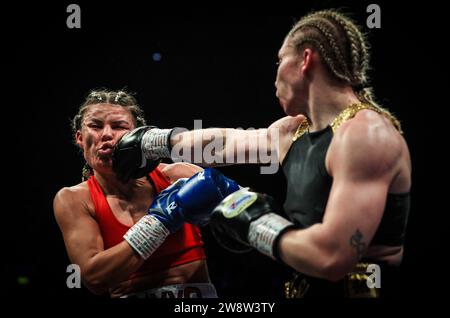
135	235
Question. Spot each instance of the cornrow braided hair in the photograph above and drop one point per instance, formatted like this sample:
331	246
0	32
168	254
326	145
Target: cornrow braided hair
104	96
342	47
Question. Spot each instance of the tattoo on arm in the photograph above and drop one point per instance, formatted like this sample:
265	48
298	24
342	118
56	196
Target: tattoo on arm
357	242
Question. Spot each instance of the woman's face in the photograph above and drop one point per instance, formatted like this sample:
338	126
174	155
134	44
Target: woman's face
289	79
102	126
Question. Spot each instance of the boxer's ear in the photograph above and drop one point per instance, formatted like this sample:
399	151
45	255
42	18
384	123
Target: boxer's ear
79	139
306	63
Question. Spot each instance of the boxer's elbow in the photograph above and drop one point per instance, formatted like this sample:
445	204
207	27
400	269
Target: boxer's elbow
335	268
96	285
334	271
314	252
321	265
95	281
329	258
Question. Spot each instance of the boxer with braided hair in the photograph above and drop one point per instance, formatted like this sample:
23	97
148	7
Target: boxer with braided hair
121	98
346	162
135	235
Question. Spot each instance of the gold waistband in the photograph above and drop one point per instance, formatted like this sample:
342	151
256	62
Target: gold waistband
354	284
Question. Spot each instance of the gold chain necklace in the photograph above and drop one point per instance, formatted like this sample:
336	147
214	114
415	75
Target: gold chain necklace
348	113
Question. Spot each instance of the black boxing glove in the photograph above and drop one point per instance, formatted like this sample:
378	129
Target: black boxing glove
247	219
129	160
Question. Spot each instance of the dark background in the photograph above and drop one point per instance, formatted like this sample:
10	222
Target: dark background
217	64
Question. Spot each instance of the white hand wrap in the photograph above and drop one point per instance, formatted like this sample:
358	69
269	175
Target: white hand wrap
155	143
146	235
263	232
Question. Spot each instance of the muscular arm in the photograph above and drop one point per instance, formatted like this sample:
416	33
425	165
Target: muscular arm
222	146
362	164
100	269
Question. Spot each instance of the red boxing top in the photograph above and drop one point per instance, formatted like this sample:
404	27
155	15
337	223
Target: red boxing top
179	248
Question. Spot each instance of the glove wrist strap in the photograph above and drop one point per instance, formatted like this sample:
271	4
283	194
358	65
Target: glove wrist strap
156	143
264	232
146	235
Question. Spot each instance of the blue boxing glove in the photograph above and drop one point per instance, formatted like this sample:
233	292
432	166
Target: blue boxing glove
187	200
166	209
202	193
192	200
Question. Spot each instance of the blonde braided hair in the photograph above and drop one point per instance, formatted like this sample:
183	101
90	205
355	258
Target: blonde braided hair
343	49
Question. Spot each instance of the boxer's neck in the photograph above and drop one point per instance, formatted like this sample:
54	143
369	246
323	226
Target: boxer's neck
326	103
113	187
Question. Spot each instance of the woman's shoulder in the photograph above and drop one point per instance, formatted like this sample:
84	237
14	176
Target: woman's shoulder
72	198
74	191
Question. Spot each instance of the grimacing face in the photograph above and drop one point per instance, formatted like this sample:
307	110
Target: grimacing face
102	127
289	81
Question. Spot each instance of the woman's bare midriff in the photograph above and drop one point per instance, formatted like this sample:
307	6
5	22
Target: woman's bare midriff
193	272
